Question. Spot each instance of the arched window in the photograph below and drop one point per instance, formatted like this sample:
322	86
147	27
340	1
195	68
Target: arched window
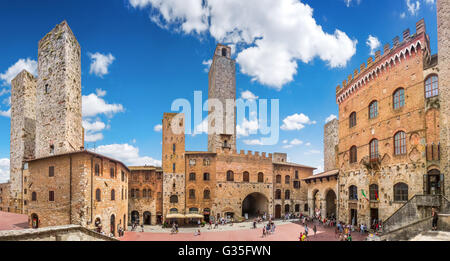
278	194
261	177
353	154
174	146
230	175
373	190
193	210
353	193
352	119
113	194
399	98
97	170
287	179
287	194
373	110
173	211
206	177
111	172
98	195
132	193
431	86
246	177
400	192
373	150
400	143
206	194
144	193
278	179
297	207
192	193
192	177
174	199
123	176
136	192
33	196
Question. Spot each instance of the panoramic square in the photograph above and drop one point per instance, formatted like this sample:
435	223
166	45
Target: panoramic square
228	121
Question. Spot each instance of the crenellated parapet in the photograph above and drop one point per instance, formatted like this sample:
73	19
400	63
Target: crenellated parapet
249	154
400	50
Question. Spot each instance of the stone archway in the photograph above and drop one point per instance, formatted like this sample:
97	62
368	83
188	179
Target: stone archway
316	201
254	205
147	218
34	221
134	217
331	200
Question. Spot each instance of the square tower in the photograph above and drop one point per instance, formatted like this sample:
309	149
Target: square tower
222	92
23	124
59	113
173	164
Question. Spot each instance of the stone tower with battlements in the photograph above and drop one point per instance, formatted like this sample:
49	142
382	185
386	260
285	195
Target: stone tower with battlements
59	114
173	163
23	127
443	16
222	88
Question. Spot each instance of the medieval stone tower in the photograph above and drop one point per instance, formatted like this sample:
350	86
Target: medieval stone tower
443	16
222	88
330	143
59	116
23	127
173	164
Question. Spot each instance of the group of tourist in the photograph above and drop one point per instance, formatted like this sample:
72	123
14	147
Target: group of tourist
268	229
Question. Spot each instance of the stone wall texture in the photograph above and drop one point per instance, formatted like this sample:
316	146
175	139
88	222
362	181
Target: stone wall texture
443	16
330	142
59	94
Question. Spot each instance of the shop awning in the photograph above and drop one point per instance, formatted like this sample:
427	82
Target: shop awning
194	216
175	216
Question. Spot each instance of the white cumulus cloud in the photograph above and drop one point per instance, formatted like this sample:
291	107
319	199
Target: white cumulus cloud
6	113
292	143
100	63
94	105
4	170
128	154
330	118
22	64
158	128
413	7
248	95
373	43
270	43
296	122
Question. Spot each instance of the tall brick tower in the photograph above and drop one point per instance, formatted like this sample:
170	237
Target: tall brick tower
173	164
443	16
23	124
222	87
59	128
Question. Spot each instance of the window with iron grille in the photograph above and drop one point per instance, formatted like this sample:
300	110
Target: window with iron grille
400	143
353	193
51	196
230	175
399	98
431	86
260	177
373	190
352	119
400	192
373	110
246	177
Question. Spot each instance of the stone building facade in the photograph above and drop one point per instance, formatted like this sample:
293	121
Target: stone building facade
389	147
145	195
223	182
53	179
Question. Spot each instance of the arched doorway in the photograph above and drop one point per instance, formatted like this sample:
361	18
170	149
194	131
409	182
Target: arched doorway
113	224
34	221
316	202
147	218
134	217
331	203
278	211
433	181
287	209
254	205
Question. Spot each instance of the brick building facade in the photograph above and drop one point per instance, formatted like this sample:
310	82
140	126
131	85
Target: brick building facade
389	146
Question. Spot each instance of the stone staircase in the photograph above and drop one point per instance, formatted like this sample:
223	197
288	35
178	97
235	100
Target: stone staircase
414	217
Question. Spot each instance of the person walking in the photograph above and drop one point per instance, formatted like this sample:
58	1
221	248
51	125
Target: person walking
306	230
435	216
315	229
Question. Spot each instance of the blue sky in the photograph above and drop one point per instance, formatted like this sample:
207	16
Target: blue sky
138	56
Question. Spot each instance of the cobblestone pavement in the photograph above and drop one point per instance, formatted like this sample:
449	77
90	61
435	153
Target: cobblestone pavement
11	221
285	231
